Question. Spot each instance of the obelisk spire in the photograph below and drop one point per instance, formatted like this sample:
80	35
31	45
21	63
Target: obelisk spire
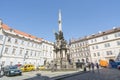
60	21
0	23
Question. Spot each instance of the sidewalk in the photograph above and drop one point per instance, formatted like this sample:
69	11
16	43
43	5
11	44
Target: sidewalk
48	75
60	77
57	73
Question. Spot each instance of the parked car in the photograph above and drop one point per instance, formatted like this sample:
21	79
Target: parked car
118	64
27	67
12	70
18	65
41	67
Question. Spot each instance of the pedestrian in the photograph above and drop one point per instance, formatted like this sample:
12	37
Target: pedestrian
92	65
97	66
1	69
55	67
84	67
52	66
89	66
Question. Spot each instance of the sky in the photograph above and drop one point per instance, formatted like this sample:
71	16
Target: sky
79	17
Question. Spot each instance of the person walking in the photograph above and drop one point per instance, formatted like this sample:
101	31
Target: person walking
97	66
84	67
89	66
52	66
92	65
1	69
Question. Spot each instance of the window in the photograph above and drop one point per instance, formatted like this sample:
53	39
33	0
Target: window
51	54
105	37
95	40
31	53
13	52
32	45
107	45
83	44
98	53
91	41
94	54
26	54
117	34
28	43
35	53
6	50
118	42
1	37
22	42
96	46
109	52
21	52
88	54
81	54
9	39
92	47
16	41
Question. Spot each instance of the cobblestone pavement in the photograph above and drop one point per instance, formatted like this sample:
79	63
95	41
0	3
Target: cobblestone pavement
37	75
103	74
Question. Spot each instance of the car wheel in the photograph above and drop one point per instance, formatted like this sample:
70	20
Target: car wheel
5	73
8	74
119	68
20	74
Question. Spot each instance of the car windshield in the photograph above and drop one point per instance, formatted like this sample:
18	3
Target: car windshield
13	67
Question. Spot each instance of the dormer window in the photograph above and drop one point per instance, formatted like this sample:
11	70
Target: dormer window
11	30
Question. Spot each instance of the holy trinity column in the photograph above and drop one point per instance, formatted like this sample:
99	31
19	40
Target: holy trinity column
60	47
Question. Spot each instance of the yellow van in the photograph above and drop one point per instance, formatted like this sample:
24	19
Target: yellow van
103	63
27	67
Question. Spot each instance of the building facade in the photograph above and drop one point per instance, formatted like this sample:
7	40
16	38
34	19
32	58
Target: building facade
47	50
18	47
79	50
103	45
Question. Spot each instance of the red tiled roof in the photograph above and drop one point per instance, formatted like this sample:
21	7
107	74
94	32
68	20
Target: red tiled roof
21	33
4	26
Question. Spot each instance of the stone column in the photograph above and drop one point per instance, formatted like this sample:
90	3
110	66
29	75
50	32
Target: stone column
64	54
